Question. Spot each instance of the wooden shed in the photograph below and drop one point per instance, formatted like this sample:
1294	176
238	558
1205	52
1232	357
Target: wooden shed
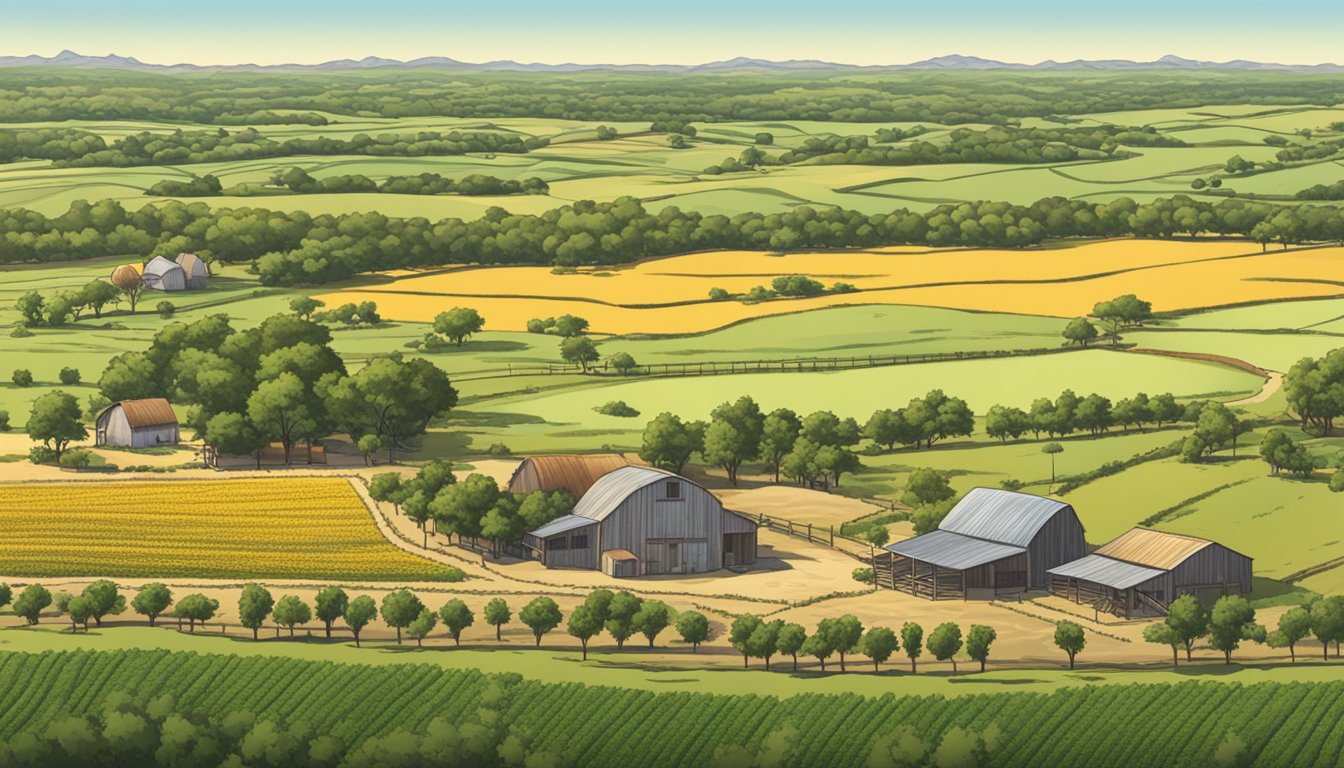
993	541
572	473
644	521
196	272
160	274
1142	571
137	424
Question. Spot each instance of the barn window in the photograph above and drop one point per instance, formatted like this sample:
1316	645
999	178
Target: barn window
579	541
673	489
557	543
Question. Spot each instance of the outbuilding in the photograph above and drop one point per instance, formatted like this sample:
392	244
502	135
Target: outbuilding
195	270
574	473
636	521
137	424
993	541
160	274
1142	571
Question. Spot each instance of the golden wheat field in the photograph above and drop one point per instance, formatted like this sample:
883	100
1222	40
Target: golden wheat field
311	528
670	295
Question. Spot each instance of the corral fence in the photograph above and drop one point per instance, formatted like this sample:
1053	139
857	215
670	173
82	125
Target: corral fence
723	367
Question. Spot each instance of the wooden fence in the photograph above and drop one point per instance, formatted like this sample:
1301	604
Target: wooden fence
791	365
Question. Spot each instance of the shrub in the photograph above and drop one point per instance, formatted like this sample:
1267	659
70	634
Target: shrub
40	454
863	575
718	294
76	459
499	449
20	332
165	309
69	376
22	377
4	421
617	408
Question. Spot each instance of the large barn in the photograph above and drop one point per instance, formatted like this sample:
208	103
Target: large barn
991	542
572	473
1143	571
137	424
637	521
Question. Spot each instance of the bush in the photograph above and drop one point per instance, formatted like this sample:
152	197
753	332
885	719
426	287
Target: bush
617	408
76	459
718	294
4	421
20	332
40	454
1337	481
22	377
165	309
863	575
499	449
69	376
1011	484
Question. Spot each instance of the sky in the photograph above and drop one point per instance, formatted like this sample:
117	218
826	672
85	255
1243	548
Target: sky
674	31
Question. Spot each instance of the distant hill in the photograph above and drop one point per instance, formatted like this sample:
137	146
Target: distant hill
741	63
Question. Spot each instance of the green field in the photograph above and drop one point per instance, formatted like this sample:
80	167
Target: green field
355	702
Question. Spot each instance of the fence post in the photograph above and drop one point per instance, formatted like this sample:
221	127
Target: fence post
809	532
790	527
832	534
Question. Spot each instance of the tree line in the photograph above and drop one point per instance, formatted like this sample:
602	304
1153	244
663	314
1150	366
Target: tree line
476	507
298	248
126	730
73	148
279	382
1231	621
229	98
300	182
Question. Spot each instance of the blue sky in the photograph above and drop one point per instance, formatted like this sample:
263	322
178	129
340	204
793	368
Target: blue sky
674	31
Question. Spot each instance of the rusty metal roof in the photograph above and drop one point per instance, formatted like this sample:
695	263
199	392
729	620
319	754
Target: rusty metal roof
619	554
573	473
153	412
1155	549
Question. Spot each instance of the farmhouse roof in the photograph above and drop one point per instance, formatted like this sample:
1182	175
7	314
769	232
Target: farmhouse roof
573	473
561	525
1006	517
152	412
1154	549
615	487
953	550
1100	569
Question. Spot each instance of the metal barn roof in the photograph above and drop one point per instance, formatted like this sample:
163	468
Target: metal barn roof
1103	570
160	266
573	473
153	412
1155	549
946	549
615	487
1003	516
561	525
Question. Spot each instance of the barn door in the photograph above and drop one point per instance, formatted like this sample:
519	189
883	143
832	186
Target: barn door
674	561
696	555
653	557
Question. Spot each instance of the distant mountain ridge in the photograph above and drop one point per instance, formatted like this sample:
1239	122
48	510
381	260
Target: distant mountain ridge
949	62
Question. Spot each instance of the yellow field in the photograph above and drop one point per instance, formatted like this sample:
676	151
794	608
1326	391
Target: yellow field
312	528
671	295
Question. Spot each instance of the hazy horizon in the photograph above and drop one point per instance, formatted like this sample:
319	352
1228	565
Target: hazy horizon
693	32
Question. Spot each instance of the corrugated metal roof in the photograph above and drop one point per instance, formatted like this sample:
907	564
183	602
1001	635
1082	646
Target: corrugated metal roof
946	549
1155	549
616	486
560	525
1003	516
1104	570
153	412
573	473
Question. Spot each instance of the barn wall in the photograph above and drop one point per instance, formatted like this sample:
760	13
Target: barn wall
1213	565
117	430
575	558
1059	541
648	515
148	437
